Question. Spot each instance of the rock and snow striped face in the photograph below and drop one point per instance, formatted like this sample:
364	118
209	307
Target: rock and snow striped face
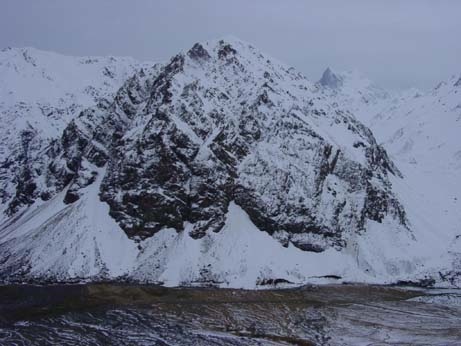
223	122
185	150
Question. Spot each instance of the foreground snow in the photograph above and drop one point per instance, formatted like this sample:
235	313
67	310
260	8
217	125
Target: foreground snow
81	241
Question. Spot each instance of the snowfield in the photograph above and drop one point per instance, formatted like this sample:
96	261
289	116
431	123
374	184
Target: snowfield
81	241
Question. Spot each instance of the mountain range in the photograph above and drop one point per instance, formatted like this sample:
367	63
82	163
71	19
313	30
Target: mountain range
223	167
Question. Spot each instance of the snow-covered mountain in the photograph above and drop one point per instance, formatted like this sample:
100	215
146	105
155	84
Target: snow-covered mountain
221	166
44	90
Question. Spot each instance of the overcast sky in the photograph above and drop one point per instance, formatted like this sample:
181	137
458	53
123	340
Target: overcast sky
396	43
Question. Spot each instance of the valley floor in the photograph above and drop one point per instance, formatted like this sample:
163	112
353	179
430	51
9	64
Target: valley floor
115	314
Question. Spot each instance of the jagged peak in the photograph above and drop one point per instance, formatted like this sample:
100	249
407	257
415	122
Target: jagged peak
218	48
232	56
229	40
330	79
228	47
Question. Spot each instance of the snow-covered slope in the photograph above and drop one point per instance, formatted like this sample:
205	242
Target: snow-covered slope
415	126
423	128
40	92
222	166
67	241
421	131
81	241
44	90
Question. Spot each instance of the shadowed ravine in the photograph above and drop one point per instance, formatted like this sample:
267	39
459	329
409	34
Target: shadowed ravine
111	314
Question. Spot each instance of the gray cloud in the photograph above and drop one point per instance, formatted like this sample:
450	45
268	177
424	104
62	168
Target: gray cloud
397	43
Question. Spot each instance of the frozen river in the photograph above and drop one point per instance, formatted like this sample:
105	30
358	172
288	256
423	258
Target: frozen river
116	314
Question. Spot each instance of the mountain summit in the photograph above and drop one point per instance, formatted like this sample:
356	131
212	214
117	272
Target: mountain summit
331	80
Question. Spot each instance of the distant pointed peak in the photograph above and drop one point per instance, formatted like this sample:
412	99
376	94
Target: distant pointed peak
330	79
